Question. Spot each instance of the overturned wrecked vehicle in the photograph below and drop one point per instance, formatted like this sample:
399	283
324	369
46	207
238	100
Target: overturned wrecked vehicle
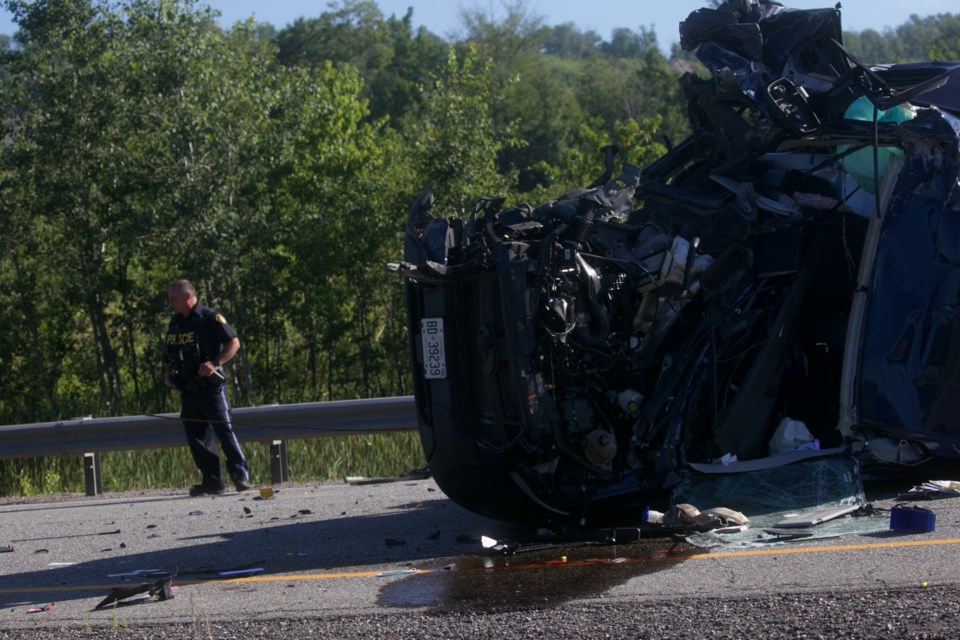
783	283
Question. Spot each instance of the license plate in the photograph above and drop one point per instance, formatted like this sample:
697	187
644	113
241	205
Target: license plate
434	355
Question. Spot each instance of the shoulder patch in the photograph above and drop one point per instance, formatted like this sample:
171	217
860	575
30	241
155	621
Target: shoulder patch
221	319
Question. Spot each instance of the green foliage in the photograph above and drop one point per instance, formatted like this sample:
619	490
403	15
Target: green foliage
161	147
455	149
383	455
921	38
352	32
547	98
946	45
635	143
34	476
386	53
567	41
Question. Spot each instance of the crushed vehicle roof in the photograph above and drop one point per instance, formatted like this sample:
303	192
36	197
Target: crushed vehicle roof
785	279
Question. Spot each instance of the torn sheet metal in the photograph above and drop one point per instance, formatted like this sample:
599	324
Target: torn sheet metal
599	348
932	490
161	589
815	517
421	473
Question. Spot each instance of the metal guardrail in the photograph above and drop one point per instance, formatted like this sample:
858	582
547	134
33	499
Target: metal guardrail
270	423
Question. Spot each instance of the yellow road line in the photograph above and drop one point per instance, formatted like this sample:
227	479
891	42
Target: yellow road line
305	576
105	587
838	547
780	550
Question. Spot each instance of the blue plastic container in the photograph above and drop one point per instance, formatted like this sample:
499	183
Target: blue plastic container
913	519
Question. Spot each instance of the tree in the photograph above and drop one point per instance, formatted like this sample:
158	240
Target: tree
394	90
336	192
566	41
543	106
946	46
352	32
390	58
626	43
64	101
621	89
146	144
456	147
517	35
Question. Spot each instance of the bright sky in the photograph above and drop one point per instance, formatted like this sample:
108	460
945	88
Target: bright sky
602	16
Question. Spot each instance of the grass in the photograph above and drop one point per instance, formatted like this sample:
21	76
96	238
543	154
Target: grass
308	460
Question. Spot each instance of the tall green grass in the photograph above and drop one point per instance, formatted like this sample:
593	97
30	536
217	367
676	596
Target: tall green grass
308	460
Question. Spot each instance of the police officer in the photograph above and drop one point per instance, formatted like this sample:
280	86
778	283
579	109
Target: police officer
199	343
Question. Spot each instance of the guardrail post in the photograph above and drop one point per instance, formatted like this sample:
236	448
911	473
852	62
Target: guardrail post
278	461
91	474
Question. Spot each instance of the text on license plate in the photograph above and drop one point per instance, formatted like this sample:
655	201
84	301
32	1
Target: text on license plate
434	356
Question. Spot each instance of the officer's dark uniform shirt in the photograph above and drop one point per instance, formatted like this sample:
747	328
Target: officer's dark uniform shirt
192	340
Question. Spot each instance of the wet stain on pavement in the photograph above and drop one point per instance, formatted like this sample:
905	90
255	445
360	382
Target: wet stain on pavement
541	578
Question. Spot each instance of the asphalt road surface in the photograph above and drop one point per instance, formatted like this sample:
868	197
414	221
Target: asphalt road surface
399	560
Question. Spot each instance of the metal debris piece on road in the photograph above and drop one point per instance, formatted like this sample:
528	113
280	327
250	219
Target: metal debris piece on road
506	547
141	573
417	474
75	535
932	489
816	516
788	534
162	589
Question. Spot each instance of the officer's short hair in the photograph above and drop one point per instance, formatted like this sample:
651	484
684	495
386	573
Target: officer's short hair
182	286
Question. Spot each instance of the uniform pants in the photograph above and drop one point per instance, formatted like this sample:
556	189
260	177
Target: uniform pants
206	414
